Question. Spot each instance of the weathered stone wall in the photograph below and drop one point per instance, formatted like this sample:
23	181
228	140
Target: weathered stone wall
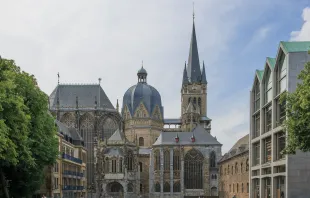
229	181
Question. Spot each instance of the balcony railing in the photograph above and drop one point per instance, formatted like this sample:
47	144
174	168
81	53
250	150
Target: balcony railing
72	173
71	158
69	187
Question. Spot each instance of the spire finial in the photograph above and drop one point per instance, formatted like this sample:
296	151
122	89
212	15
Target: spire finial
117	106
193	10
99	79
58	77
142	63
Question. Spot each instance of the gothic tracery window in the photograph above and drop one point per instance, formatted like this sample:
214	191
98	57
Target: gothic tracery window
176	160
193	165
166	187
130	160
109	127
69	120
212	159
157	187
166	160
176	187
199	102
157	160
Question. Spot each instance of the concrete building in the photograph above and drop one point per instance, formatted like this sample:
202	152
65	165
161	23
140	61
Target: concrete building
234	171
273	174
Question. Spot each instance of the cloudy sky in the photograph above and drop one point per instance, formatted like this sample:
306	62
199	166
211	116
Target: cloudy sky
85	40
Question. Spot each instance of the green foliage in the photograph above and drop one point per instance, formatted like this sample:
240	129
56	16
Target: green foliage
298	114
28	140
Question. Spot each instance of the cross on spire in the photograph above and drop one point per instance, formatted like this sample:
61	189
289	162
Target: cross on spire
193	10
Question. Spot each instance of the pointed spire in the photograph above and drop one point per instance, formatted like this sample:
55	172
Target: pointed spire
203	75
185	77
193	68
117	106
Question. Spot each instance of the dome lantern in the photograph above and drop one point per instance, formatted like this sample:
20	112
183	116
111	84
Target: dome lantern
142	74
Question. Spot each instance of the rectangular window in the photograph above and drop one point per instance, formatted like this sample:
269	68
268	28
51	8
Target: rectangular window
268	118
280	145
256	188
267	150
281	75
256	95
256	154
256	125
280	186
281	114
267	186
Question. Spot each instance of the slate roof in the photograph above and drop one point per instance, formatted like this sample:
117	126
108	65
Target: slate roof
202	137
71	133
295	46
172	121
86	97
145	93
241	146
115	151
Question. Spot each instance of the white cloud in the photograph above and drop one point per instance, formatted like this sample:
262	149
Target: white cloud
304	33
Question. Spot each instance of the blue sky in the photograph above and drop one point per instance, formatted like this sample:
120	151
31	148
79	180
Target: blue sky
109	39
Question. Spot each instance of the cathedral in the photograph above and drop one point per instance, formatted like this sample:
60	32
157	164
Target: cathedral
135	151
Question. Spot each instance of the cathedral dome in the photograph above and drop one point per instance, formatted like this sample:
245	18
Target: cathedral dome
142	93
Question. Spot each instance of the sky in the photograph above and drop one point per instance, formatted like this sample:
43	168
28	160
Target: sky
87	40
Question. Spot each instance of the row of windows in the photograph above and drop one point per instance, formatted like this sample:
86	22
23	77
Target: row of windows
267	149
235	169
176	187
176	160
116	165
235	188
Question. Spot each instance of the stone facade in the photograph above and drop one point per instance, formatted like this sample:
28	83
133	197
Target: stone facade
234	171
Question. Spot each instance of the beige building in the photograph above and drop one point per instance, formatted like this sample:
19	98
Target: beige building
67	177
234	171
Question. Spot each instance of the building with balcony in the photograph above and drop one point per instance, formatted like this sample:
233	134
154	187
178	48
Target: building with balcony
234	171
273	174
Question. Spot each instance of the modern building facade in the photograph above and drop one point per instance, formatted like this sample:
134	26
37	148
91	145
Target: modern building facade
273	174
234	171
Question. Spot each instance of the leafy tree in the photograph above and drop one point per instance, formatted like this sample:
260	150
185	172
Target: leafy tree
28	140
298	114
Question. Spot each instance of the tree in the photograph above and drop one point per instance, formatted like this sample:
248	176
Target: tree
298	114
28	140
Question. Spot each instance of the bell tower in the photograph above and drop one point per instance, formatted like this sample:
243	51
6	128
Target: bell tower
194	89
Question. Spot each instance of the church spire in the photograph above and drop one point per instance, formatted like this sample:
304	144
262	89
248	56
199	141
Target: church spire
203	75
185	77
193	68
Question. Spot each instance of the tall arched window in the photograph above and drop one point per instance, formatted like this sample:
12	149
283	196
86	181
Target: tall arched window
109	127
212	159
256	95
141	141
241	167
130	160
236	168
193	174
166	160
140	164
195	100
87	133
157	160
247	165
166	187
157	187
189	100
176	160
199	102
141	188
242	189
176	187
